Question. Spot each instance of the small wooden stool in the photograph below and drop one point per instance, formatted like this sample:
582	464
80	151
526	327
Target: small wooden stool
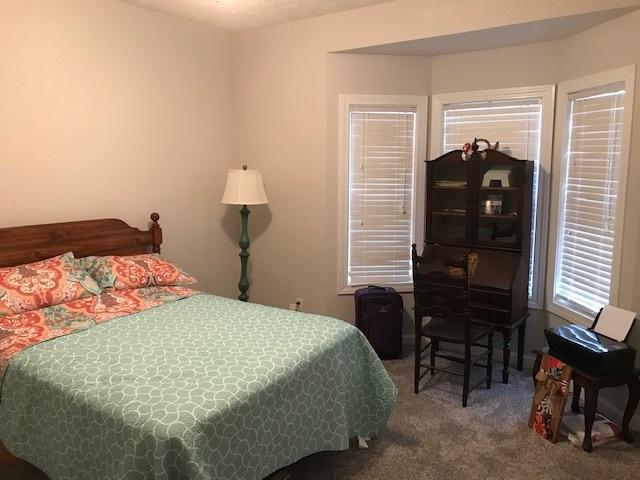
592	385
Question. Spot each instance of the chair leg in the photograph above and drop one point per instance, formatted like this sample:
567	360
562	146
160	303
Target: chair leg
575	402
490	359
467	374
416	377
435	344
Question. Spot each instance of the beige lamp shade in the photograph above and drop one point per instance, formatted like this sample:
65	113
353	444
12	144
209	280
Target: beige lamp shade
244	187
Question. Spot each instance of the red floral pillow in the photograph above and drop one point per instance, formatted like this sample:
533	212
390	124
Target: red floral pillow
134	271
41	284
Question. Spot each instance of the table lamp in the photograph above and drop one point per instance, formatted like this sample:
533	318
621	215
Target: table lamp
244	187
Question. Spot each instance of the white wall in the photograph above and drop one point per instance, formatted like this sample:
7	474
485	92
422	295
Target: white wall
519	66
286	91
280	129
110	110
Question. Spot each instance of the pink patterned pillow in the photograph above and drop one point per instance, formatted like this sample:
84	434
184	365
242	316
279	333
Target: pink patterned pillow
41	284
134	271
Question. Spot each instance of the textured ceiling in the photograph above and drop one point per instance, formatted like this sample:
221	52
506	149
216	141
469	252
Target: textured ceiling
239	15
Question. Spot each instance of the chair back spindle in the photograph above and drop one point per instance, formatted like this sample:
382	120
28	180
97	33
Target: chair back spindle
446	282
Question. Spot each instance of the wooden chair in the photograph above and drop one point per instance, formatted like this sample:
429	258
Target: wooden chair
445	299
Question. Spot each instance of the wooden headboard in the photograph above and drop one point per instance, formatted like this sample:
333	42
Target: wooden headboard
109	236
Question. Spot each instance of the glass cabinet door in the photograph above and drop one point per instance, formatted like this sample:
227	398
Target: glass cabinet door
448	201
499	202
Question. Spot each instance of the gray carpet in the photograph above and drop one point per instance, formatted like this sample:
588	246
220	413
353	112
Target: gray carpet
430	436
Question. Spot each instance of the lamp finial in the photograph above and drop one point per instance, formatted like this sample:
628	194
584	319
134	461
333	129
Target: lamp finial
244	167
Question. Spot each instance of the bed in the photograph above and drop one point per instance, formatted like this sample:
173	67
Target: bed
195	387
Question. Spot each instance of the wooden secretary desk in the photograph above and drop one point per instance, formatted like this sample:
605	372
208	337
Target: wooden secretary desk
482	204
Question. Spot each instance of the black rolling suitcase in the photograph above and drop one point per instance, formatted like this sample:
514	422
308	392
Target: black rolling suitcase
379	317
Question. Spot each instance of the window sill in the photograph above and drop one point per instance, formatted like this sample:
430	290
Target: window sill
400	288
535	305
569	315
408	288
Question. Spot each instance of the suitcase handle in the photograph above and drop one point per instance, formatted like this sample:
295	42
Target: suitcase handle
375	287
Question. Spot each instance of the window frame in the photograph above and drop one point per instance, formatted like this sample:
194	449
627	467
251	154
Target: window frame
627	75
546	94
420	103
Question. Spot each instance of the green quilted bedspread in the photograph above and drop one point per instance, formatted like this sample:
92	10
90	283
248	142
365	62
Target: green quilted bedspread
202	388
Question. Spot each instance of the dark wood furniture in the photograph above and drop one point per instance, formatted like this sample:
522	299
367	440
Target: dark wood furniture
20	245
27	244
444	298
592	385
491	220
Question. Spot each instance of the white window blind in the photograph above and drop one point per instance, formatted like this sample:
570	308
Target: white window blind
586	230
515	123
381	169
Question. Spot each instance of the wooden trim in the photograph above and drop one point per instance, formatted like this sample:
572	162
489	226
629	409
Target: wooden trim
19	245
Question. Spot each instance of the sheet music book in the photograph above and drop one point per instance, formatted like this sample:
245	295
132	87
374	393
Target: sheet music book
615	322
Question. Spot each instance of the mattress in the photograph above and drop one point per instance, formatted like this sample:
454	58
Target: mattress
200	388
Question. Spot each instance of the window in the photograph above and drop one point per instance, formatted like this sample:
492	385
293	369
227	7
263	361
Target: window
381	138
594	119
521	119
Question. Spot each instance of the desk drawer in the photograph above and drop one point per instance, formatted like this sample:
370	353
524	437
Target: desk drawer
438	296
481	297
490	315
491	299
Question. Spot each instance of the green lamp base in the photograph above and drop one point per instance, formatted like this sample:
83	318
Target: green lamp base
243	284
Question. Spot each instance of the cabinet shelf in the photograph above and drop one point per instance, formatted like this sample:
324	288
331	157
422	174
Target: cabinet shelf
498	217
459	207
449	187
455	214
499	189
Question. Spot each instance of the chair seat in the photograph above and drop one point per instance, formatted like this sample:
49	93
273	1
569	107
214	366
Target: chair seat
452	331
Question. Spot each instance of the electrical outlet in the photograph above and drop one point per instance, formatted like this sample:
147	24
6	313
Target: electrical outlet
298	305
